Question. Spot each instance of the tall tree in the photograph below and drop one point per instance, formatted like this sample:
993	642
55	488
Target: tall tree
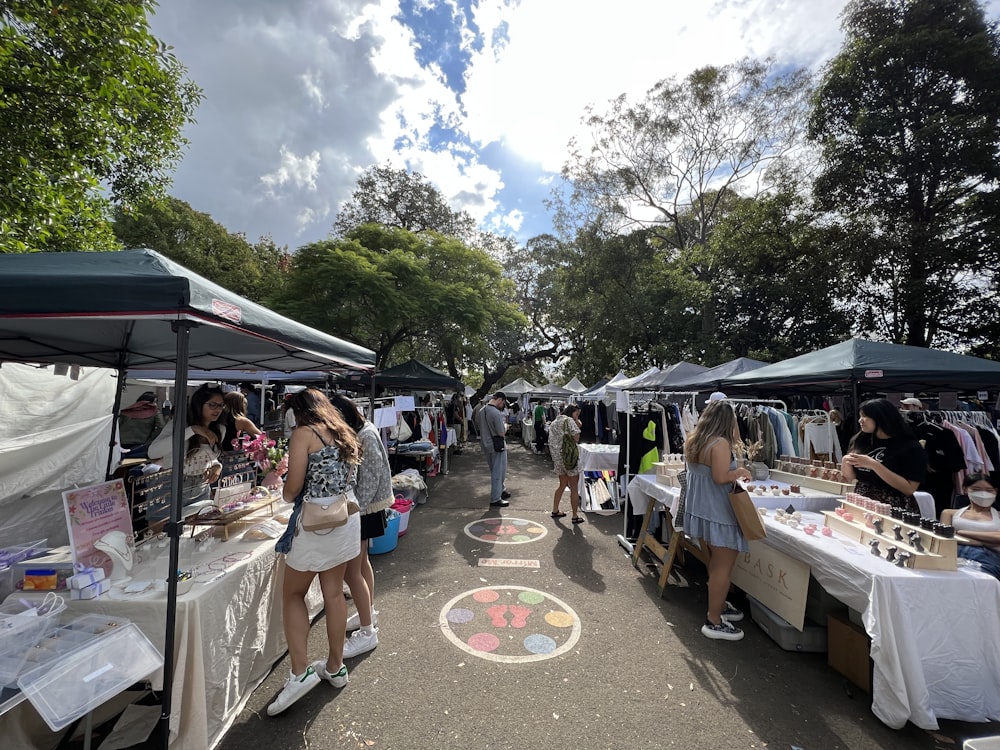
670	162
908	120
199	243
387	287
402	200
91	110
778	283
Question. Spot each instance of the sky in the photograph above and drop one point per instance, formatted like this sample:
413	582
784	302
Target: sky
481	97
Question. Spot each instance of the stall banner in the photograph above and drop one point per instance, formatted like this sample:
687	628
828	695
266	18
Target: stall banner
779	582
91	513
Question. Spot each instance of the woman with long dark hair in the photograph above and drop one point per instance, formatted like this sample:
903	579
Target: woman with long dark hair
236	421
374	494
884	459
202	444
323	457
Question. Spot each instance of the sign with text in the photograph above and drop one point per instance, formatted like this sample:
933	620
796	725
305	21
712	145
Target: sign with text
404	403
93	513
948	400
779	582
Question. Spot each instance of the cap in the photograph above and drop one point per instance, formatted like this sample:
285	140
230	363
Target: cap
147	396
717	396
912	402
499	394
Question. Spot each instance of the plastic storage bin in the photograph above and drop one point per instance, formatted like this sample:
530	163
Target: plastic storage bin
387	542
89	674
20	630
812	638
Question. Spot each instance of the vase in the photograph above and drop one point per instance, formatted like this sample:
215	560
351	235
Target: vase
273	481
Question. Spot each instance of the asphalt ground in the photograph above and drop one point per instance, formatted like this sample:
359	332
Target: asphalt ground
614	665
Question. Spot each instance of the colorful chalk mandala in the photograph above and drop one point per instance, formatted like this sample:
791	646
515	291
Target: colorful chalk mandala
505	530
510	624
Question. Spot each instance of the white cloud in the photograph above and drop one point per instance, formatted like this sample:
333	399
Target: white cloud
301	96
298	171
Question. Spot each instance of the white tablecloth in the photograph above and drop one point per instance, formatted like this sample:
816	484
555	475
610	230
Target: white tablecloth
229	635
933	634
934	643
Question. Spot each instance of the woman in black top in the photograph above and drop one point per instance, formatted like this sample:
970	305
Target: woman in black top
884	457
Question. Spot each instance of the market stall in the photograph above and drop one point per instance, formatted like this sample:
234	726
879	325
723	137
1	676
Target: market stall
932	655
138	310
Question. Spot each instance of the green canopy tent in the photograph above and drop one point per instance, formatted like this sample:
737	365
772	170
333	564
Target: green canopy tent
137	310
712	378
861	365
411	375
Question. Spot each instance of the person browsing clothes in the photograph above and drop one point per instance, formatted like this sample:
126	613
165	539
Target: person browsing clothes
565	427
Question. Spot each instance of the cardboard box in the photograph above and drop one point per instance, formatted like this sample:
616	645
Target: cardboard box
848	650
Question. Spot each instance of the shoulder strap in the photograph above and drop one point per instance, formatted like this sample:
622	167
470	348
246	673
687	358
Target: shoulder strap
319	436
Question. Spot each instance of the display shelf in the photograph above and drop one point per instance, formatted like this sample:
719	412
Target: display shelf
935	552
211	515
816	483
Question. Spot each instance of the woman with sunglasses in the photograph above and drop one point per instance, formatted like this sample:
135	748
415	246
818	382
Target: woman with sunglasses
202	444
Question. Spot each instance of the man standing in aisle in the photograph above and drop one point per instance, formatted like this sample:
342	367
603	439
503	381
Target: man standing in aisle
491	424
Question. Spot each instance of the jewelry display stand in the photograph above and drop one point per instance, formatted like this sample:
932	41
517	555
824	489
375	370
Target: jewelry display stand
926	550
211	515
118	547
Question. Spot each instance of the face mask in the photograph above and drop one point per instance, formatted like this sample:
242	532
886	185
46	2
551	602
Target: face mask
982	497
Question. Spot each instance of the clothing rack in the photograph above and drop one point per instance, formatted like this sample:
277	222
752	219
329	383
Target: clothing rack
635	398
760	402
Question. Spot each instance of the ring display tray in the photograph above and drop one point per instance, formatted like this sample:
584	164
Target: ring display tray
214	515
934	552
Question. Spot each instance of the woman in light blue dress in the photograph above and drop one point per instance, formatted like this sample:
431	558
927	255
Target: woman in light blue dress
711	472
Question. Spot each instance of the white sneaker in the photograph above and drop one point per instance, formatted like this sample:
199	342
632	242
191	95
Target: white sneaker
360	643
725	631
731	613
354	621
294	689
338	679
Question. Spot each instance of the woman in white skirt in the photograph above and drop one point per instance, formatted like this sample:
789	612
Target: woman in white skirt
323	457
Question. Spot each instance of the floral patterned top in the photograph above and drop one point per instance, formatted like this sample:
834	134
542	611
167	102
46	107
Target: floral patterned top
327	475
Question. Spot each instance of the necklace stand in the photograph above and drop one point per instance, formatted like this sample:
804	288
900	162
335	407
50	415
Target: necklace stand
115	545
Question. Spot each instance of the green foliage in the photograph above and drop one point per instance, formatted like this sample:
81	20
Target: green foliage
197	242
908	120
668	161
392	288
91	111
401	200
777	281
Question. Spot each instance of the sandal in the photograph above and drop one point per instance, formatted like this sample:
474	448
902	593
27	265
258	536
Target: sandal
577	519
557	514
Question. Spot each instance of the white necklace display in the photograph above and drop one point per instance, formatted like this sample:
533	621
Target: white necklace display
116	545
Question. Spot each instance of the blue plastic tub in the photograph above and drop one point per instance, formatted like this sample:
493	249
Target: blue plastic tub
387	542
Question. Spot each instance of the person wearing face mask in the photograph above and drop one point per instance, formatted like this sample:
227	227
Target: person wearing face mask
978	522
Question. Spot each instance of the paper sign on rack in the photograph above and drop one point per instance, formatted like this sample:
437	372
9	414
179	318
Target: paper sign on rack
404	403
93	512
385	417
